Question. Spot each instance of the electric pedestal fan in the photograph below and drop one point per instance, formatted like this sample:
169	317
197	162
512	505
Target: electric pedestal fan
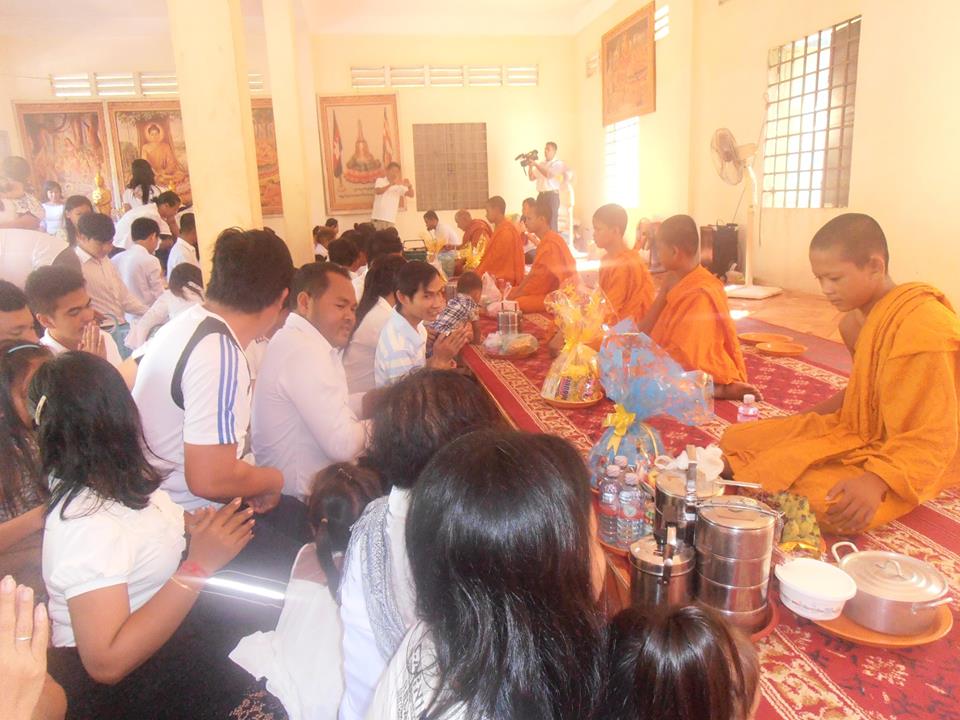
731	160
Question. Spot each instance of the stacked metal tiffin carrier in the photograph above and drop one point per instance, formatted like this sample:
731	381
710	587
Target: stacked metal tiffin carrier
705	546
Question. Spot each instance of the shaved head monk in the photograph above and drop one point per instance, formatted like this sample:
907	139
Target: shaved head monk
473	228
624	279
503	257
553	265
888	442
690	318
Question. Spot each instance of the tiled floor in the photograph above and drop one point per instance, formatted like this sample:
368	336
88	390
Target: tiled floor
798	311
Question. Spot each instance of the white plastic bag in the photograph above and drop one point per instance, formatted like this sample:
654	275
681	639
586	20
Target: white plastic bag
490	292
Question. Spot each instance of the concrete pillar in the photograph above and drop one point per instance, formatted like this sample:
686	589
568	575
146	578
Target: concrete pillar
210	55
285	37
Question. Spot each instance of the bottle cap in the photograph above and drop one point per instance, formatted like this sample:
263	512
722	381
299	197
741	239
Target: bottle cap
613	470
631	479
620	460
749	399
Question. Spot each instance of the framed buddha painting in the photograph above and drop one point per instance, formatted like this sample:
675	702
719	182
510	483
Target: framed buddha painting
628	60
65	142
359	137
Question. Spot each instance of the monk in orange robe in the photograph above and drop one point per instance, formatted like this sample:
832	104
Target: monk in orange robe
624	278
690	317
553	265
473	229
888	441
503	257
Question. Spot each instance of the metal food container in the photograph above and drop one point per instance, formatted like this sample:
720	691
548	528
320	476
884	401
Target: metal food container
730	571
750	621
736	527
661	577
896	594
732	598
508	322
674	507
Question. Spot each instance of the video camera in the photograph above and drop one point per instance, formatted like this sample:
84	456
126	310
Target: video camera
528	158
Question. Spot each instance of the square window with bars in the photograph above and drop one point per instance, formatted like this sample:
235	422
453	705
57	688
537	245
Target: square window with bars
811	93
621	155
451	162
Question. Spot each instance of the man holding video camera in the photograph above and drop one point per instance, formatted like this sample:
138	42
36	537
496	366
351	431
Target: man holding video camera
549	176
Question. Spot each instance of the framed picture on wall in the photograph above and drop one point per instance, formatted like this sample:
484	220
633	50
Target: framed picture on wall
359	137
629	67
153	130
65	142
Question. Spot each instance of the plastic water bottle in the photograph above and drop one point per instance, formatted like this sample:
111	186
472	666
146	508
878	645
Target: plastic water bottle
630	520
748	411
609	505
621	462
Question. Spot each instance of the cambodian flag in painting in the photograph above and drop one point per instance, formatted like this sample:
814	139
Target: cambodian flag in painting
387	142
337	149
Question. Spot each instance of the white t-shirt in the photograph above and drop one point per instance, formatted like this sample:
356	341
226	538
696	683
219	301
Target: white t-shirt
216	398
131	196
181	252
359	356
52	217
165	307
303	420
122	237
401	349
113	354
387	205
141	273
111	545
447	234
554	178
358	279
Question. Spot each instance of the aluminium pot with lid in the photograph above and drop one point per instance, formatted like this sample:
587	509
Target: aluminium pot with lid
896	594
735	527
661	575
674	507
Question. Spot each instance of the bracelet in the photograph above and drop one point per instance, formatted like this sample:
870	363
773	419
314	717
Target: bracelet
192	569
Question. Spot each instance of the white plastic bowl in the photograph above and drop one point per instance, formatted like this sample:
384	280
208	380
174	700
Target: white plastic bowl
814	589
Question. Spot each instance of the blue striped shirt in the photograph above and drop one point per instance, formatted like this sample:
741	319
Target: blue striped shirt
402	348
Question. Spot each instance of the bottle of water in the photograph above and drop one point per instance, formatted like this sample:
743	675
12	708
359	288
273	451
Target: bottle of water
630	520
609	505
621	462
748	410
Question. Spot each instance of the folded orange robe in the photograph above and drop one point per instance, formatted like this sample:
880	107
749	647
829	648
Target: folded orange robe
696	329
553	266
900	416
476	230
627	285
503	257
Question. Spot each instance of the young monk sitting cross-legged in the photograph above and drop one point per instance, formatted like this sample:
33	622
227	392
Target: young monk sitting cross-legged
888	442
554	263
503	257
690	317
624	279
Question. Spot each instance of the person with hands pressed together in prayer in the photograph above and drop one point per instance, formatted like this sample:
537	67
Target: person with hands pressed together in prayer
402	347
624	279
16	320
113	544
503	257
464	308
889	441
690	317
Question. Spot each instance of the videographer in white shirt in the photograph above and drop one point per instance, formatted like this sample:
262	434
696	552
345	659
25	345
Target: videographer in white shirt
549	176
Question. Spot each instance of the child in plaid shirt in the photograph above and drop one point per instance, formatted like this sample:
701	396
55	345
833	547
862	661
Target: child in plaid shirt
464	308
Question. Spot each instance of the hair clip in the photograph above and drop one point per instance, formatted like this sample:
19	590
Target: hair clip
342	471
23	346
39	410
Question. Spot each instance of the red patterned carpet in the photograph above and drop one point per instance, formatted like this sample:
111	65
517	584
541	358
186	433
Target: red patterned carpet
807	673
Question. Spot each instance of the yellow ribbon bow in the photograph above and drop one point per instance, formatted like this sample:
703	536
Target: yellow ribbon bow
620	420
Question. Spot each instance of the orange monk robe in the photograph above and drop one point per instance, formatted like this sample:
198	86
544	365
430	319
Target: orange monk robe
476	230
627	285
503	257
553	266
695	328
899	419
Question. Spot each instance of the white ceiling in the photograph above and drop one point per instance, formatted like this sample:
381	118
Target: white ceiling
351	17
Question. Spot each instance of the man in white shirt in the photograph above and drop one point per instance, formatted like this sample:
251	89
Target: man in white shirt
57	296
387	192
184	250
138	267
303	416
402	347
162	209
111	297
440	230
549	176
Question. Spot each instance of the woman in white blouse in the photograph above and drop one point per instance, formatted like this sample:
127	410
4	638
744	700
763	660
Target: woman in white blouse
112	550
503	551
142	187
373	310
185	291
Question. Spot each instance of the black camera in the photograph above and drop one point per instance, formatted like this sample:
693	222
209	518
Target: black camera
528	158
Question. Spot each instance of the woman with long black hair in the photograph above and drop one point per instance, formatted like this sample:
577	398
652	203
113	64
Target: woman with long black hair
142	187
75	207
112	549
501	538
